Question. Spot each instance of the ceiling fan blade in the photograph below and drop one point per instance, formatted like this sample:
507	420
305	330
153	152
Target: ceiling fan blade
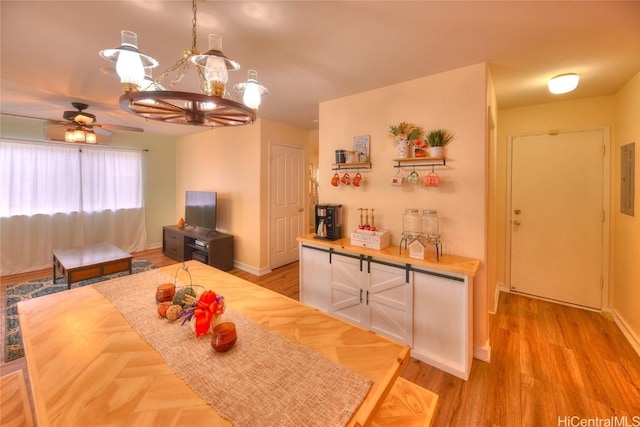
119	127
53	123
97	128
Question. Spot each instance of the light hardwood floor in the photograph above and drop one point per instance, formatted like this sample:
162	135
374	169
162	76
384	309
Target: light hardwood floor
549	362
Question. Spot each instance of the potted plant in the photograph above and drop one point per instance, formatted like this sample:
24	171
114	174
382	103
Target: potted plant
437	139
404	134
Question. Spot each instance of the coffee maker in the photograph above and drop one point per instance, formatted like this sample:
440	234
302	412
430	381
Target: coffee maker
328	222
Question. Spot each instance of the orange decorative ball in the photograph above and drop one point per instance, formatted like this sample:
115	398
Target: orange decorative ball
162	308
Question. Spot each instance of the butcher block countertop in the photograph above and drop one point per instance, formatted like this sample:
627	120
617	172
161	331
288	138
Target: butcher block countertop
89	366
447	263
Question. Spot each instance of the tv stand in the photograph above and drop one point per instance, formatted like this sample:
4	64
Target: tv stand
207	246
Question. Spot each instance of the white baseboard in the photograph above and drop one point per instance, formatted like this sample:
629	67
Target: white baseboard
624	327
500	287
154	246
482	353
443	365
251	270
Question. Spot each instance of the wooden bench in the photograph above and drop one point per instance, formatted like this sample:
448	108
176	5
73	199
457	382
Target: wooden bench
406	405
15	410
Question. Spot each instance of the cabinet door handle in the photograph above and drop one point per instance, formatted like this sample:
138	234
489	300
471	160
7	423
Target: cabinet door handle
367	297
360	296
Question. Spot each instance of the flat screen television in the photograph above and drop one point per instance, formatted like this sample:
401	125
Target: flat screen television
200	209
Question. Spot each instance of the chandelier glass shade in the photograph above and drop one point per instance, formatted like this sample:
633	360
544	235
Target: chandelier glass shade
251	90
152	99
130	62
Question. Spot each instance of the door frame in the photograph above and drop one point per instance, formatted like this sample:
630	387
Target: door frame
304	199
606	206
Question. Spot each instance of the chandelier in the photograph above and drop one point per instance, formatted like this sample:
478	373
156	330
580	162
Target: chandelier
148	98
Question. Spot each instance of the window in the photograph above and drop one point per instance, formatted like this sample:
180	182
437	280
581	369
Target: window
60	195
54	178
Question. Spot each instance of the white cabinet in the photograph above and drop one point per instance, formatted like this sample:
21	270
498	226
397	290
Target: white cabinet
315	275
427	308
373	294
442	321
346	289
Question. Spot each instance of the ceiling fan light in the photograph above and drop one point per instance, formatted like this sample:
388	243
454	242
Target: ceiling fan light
91	137
563	83
69	136
78	135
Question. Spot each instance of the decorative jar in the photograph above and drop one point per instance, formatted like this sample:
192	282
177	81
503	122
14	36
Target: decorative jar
430	224
403	148
411	222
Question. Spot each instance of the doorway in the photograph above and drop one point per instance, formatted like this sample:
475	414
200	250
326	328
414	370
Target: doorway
558	216
286	203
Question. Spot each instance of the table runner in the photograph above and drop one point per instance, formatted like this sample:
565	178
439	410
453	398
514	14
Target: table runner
263	380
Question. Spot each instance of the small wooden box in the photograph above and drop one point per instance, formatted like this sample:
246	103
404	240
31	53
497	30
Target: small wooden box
378	239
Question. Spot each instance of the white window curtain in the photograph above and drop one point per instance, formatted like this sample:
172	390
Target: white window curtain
59	196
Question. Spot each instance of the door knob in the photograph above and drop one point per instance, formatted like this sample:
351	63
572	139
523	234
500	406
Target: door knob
517	211
300	209
516	222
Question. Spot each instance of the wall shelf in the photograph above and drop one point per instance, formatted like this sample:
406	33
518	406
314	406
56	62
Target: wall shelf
351	166
413	162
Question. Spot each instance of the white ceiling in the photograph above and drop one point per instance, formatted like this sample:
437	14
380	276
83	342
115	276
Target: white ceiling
307	52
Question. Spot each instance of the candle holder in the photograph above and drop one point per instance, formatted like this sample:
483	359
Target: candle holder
224	336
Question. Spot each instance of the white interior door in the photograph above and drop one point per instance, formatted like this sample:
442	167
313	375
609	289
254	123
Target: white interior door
557	213
286	203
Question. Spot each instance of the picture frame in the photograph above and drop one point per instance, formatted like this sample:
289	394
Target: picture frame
362	145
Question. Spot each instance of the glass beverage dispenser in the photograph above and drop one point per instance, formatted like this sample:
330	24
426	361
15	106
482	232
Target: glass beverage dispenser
430	224
411	223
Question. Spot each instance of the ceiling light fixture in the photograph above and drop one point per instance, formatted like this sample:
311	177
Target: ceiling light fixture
563	83
149	99
79	134
251	90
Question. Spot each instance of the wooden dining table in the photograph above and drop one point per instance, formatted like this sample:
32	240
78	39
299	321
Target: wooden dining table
88	366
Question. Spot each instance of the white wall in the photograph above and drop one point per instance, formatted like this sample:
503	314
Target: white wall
626	245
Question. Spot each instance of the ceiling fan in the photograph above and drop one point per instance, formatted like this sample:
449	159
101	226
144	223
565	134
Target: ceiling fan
84	123
82	126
